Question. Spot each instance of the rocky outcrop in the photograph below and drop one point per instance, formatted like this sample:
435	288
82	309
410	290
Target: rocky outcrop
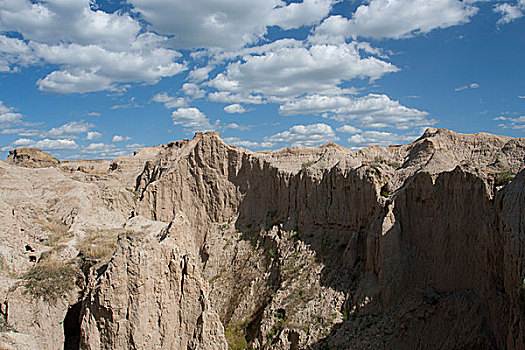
414	246
151	295
31	158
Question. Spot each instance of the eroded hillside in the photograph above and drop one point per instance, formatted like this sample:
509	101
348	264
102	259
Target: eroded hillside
201	245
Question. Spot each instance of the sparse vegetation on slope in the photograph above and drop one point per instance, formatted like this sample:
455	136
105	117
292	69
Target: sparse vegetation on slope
235	338
99	245
50	280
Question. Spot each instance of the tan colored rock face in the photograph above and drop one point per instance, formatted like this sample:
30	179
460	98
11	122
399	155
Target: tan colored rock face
151	296
31	158
303	248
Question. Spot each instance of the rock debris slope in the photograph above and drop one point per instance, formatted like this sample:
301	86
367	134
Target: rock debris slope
201	245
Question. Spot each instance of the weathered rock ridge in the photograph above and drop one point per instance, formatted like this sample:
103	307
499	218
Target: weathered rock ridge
201	245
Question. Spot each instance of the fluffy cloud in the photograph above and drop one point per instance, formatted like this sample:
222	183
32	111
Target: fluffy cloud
509	12
97	148
294	70
69	130
8	116
374	111
192	90
295	14
118	138
192	119
227	24
93	135
169	101
348	129
367	138
47	144
14	52
200	74
228	97
94	68
305	135
114	50
398	19
57	21
235	108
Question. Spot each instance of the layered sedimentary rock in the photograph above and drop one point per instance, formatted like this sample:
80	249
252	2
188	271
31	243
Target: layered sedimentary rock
31	158
415	246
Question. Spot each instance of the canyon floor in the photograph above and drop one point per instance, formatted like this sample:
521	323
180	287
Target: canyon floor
201	245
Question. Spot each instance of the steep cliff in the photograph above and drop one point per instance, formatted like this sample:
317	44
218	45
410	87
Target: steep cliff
415	246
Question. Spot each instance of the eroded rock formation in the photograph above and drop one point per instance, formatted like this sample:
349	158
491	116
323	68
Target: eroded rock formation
31	158
415	246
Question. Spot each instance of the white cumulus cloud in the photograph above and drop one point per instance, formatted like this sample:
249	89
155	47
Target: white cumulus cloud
69	130
305	135
169	101
509	12
47	144
367	138
192	119
119	138
94	50
226	24
348	129
294	70
93	135
398	19
373	110
193	90
8	116
235	108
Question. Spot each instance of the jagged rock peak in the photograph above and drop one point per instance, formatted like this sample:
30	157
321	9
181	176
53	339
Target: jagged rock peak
31	158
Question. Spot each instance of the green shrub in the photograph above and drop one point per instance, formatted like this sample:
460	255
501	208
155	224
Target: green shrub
504	178
394	165
235	338
345	315
50	279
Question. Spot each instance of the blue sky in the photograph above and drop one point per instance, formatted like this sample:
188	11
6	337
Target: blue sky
102	78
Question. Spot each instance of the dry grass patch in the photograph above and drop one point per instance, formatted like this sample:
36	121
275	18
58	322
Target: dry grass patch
50	279
235	338
100	245
58	232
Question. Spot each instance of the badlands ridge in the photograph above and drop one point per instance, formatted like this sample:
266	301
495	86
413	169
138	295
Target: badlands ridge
201	245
